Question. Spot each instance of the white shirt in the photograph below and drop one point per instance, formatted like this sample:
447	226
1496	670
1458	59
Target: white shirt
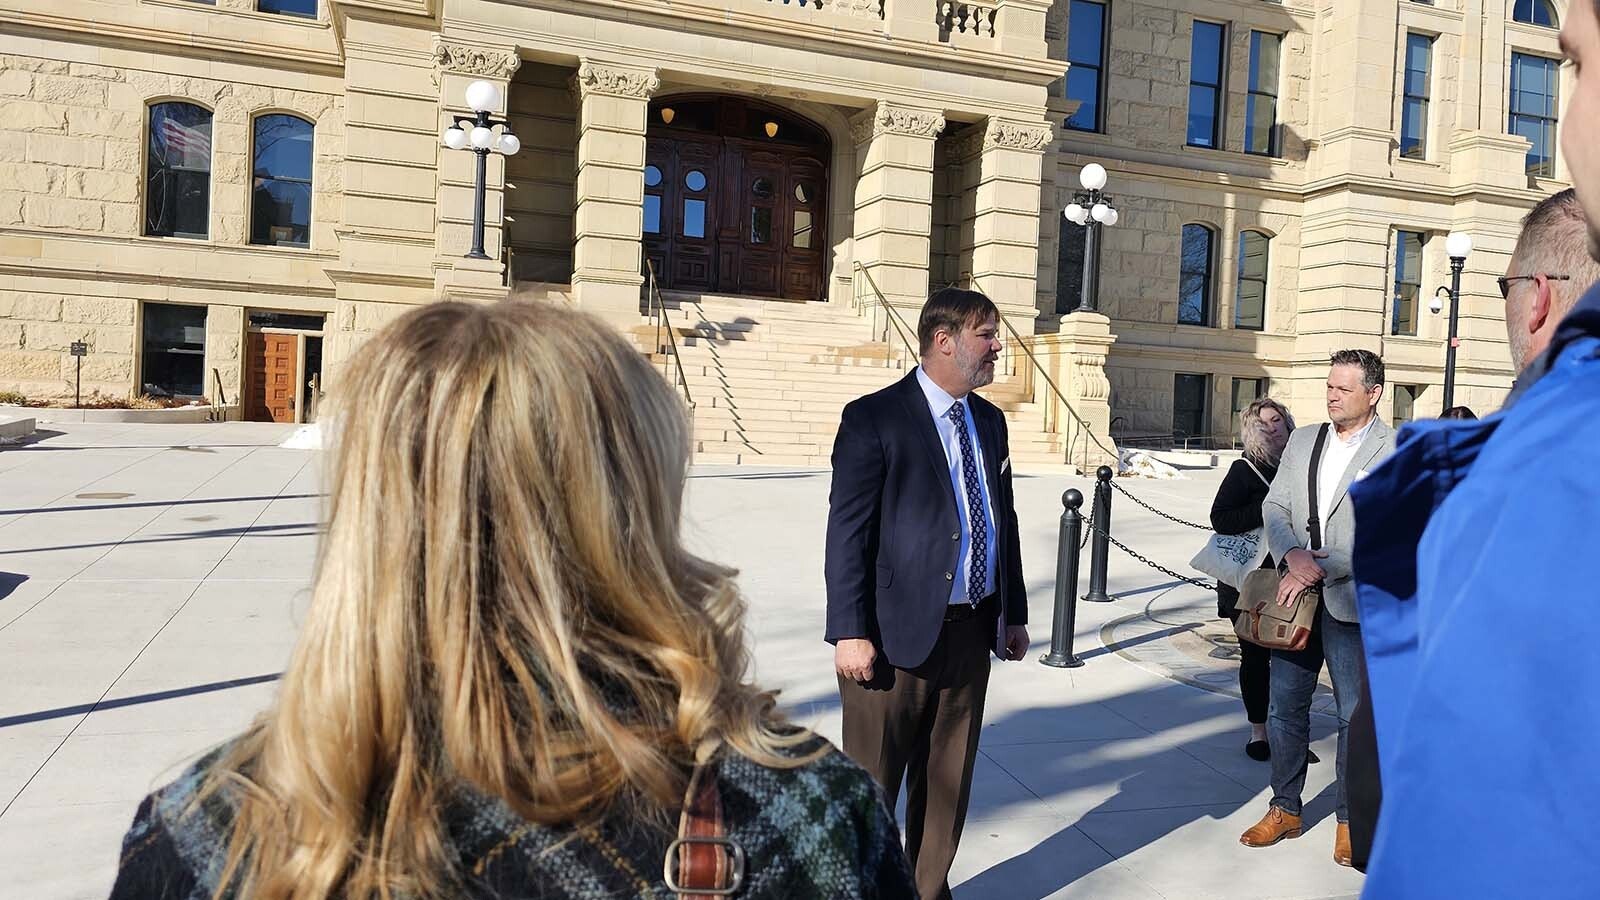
1336	456
939	404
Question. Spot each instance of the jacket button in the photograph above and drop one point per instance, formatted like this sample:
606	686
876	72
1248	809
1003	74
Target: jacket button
955	536
949	576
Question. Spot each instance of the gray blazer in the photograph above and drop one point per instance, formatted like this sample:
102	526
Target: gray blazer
1287	510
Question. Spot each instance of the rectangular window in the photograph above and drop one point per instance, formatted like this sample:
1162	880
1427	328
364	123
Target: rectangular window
1250	300
174	360
1069	267
1261	108
1086	48
1405	402
1407	281
1194	281
1245	392
1414	97
1189	394
1534	97
304	8
1207	53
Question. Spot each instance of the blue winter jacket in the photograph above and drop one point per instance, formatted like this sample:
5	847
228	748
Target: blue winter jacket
1477	556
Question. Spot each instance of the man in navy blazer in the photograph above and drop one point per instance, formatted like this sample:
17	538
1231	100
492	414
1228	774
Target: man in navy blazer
924	574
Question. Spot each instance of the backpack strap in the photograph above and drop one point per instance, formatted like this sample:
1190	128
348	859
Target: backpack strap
1258	473
1314	522
709	865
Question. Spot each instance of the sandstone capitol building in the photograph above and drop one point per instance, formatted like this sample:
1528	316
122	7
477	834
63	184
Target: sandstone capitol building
222	199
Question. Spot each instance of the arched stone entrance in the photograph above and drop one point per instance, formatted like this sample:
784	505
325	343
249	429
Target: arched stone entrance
736	198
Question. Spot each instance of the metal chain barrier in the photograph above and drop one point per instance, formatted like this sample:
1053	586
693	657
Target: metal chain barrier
1087	533
1168	516
1095	529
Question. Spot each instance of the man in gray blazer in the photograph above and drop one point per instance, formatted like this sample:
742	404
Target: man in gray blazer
1356	440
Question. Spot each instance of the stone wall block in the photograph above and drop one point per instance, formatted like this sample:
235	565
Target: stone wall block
102	73
56	212
85	153
123	156
30	365
96	310
69	91
103	123
15	83
122	218
32	178
33	64
10	208
30	307
111	374
11	335
58	337
98	184
13	148
42	117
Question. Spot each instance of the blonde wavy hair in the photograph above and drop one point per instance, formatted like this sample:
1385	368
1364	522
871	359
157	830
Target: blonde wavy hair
501	601
1253	432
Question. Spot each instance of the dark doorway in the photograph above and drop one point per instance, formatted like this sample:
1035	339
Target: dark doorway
736	198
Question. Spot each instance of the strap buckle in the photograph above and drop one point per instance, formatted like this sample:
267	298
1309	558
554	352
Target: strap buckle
735	859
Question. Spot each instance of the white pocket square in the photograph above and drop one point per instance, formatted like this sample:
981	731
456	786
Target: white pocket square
1006	464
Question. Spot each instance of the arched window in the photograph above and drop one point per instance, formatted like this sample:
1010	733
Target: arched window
1250	299
1194	283
1536	12
280	197
177	199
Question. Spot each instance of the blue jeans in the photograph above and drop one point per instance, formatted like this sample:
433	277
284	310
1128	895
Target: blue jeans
1294	682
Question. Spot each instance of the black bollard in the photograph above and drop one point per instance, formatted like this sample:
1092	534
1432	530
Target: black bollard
1100	555
1066	620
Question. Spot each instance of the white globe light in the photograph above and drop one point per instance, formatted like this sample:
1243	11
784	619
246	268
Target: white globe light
455	138
1112	217
1100	212
509	144
1073	212
1458	245
1081	217
1092	177
483	95
482	137
1435	304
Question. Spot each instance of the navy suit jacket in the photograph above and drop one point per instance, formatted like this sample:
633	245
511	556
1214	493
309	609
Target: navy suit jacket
894	531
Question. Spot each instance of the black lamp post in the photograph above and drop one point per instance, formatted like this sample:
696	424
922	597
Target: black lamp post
1456	246
482	96
1091	208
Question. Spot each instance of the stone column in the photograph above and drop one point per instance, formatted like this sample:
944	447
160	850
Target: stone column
894	200
456	276
608	224
1003	179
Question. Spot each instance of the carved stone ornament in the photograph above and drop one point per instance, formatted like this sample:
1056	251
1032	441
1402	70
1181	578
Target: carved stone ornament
594	78
453	56
968	143
890	119
1017	135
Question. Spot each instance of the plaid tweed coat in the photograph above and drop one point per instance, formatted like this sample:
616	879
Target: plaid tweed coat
821	830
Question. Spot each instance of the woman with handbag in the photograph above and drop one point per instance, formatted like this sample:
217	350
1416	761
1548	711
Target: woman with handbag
1265	426
513	681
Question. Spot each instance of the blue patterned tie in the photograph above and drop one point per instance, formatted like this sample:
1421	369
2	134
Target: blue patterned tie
975	514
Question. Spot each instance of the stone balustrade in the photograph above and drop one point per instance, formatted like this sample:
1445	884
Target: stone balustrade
966	24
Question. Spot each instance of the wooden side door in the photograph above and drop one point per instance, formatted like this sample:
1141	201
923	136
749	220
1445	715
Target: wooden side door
761	213
270	376
803	230
695	189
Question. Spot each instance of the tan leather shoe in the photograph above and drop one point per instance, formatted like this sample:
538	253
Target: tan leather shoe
1341	845
1275	826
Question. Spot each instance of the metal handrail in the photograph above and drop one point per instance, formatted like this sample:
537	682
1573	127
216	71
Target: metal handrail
658	311
1083	426
891	314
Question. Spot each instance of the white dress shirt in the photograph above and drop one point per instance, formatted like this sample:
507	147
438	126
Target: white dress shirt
1336	456
939	404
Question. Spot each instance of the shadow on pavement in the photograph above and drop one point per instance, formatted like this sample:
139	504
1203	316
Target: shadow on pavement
137	699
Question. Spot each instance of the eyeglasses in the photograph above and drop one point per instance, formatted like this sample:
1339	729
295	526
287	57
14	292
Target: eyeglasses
1505	281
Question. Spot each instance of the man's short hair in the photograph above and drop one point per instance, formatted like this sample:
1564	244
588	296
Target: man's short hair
951	309
1370	364
1555	241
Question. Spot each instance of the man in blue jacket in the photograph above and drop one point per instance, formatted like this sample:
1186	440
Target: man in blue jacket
1478	608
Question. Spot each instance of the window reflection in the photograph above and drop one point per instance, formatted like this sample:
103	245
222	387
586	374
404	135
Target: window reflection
802	229
280	210
694	217
761	225
652	214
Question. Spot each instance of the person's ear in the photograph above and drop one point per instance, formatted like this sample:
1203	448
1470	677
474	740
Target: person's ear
1539	310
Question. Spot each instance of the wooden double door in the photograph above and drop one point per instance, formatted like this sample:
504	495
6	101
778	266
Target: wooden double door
730	215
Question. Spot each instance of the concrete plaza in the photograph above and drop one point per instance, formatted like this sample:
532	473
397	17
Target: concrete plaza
152	578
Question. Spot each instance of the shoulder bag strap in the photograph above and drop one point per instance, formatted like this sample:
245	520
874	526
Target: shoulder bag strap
1314	523
1258	473
708	864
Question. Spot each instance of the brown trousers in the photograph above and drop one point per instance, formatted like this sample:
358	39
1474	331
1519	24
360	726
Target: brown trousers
922	725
